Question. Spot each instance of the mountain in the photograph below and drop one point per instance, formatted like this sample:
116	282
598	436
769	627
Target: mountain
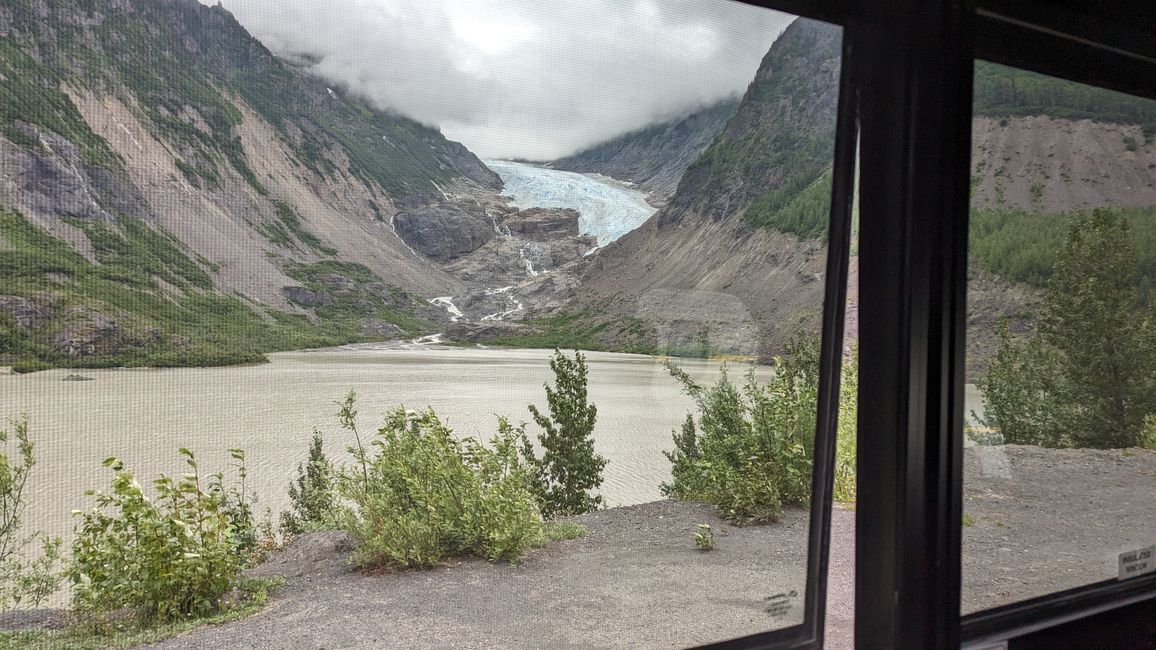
733	264
655	157
704	275
172	193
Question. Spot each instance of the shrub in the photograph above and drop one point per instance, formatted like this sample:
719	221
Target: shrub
312	494
165	559
704	537
1021	390
22	581
419	494
752	449
1148	438
568	469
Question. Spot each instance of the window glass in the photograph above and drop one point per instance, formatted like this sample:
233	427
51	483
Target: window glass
1060	433
528	294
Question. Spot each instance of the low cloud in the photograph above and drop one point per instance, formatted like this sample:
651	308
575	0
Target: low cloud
524	78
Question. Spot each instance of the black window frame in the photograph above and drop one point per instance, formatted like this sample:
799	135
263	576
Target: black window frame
906	98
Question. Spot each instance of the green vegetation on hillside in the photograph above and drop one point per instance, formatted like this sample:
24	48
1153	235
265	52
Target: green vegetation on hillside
1001	91
120	315
287	227
354	294
181	66
1021	246
772	162
30	92
806	213
587	329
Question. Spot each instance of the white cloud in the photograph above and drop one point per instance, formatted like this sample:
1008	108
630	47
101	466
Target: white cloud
524	78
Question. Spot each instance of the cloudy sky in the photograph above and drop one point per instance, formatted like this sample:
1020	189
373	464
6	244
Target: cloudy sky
524	78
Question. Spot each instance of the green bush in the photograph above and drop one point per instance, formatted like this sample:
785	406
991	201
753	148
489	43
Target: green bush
22	581
569	469
1021	392
418	494
751	450
312	495
165	559
704	537
1148	438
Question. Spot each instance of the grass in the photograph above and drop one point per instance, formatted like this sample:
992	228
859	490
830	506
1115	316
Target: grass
563	530
587	329
255	592
968	521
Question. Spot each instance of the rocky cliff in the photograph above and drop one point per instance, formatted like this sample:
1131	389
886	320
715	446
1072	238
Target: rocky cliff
154	156
705	278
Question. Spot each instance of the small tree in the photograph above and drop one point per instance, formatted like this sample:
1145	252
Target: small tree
569	469
1092	314
312	494
1088	377
22	581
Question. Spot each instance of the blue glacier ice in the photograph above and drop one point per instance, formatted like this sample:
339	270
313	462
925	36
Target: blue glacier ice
607	209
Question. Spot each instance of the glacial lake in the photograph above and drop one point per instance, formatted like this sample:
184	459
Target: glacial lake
143	416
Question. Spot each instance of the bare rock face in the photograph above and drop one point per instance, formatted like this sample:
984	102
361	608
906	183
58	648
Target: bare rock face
543	224
91	333
306	297
58	181
381	329
27	313
474	331
443	233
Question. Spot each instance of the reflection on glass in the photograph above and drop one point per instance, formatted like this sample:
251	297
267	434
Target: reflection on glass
254	231
1061	436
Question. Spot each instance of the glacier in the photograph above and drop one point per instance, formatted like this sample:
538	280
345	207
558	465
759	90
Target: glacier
607	208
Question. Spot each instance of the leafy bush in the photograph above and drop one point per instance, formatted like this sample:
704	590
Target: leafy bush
165	559
704	537
419	494
568	469
22	580
312	494
752	449
1021	392
1148	438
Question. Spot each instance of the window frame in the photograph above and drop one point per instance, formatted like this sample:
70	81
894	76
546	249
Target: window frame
809	634
910	65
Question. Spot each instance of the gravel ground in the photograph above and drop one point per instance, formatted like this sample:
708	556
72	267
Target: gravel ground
1037	521
1043	520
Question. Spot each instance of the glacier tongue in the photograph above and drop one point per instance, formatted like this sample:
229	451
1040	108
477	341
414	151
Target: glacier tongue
607	209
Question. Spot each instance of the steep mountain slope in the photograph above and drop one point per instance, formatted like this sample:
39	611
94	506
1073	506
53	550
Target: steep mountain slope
705	278
654	158
155	158
733	264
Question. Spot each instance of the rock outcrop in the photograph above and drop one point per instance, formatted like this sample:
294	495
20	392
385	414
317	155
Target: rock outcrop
442	232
